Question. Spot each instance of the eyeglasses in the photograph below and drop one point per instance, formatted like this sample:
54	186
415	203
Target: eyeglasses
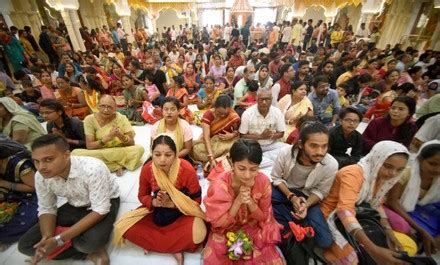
105	107
351	121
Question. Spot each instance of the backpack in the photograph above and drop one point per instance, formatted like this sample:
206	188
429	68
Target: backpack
298	252
369	219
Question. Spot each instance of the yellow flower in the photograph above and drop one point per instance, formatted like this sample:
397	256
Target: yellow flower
231	236
229	244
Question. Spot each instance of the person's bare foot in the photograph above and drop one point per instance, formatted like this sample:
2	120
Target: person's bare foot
179	258
99	257
120	172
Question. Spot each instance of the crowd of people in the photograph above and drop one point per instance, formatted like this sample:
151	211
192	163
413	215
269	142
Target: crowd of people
285	97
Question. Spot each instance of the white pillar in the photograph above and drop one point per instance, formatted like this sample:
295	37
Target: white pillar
127	28
123	10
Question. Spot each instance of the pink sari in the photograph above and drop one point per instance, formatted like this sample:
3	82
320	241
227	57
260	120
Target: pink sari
263	230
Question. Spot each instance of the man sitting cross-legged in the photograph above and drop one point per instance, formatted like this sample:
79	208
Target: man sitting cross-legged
92	204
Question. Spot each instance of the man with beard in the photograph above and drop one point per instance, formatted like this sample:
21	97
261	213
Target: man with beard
327	70
160	79
301	177
322	97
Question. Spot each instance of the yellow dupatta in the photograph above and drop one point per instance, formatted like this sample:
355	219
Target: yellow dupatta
177	134
167	183
92	100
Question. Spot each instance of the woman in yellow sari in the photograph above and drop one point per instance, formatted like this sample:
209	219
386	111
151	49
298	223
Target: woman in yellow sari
170	219
110	137
295	105
220	130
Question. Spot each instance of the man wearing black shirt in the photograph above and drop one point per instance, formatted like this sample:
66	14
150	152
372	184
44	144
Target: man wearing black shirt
160	79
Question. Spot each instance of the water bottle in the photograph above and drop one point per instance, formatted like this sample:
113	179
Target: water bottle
200	174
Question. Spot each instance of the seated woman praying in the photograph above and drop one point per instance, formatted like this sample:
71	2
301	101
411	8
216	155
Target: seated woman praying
17	123
171	124
240	200
170	219
17	191
414	202
59	123
220	130
366	182
110	137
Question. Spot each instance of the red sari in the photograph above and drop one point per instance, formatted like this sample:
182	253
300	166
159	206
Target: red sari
177	236
264	231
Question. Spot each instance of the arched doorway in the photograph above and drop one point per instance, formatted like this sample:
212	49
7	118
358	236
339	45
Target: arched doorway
167	18
314	12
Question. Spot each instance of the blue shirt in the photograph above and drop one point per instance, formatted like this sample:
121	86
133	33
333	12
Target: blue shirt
319	107
115	37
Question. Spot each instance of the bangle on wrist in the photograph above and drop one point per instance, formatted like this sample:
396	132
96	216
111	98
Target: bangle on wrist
59	241
290	196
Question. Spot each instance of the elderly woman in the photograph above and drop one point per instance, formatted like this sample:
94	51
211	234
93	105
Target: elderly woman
295	105
110	137
220	130
17	190
72	98
17	123
241	200
366	182
171	124
59	123
170	219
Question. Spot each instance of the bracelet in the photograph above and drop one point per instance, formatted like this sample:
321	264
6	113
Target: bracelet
290	196
12	186
355	232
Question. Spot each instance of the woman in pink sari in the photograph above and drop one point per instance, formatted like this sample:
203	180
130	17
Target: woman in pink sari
241	200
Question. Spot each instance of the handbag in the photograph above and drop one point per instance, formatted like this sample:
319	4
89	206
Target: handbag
297	244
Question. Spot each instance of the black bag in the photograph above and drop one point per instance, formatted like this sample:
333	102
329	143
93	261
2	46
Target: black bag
297	253
369	219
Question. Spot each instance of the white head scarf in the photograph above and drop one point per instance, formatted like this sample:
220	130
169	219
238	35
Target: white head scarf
411	194
371	164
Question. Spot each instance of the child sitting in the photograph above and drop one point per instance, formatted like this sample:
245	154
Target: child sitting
250	98
153	92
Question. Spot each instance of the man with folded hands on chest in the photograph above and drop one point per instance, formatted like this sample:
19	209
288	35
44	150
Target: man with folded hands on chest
80	228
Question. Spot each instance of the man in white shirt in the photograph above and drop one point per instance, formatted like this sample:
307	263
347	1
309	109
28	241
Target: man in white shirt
264	123
92	204
287	31
362	32
430	130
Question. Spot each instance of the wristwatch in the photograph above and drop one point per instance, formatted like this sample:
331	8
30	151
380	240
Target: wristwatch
59	241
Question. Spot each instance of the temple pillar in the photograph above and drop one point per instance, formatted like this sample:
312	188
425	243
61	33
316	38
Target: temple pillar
123	10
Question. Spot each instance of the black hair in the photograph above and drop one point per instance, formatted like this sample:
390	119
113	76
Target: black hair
90	81
306	129
354	64
301	63
136	64
408	101
414	70
49	139
389	72
246	149
364	78
26	83
10	147
172	100
164	139
350	109
55	105
318	79
295	85
149	76
429	150
223	101
284	68
253	86
405	87
179	80
210	77
405	128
